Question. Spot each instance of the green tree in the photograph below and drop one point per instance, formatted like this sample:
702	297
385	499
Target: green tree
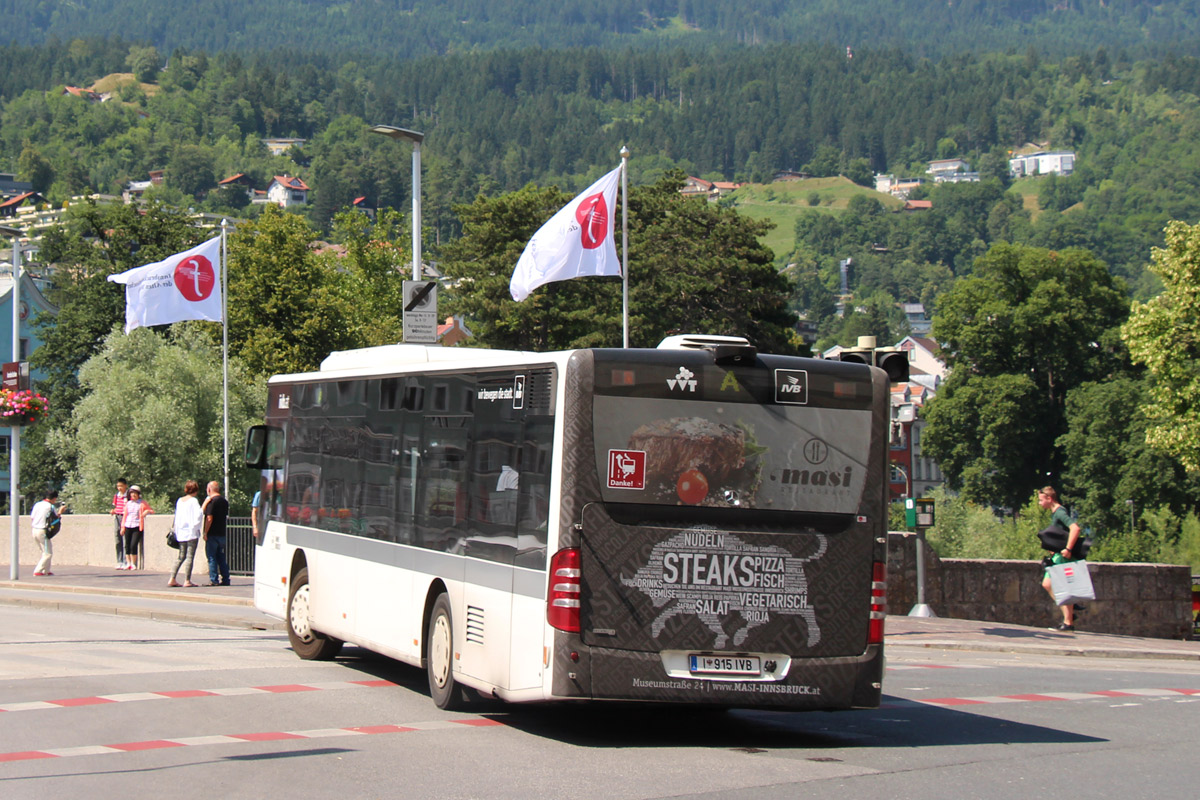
35	168
1108	462
378	257
1022	330
145	63
172	433
287	308
1164	335
192	170
693	267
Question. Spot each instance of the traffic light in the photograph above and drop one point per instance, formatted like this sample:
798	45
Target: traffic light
894	362
856	355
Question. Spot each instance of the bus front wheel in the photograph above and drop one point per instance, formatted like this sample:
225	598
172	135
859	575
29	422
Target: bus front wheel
309	644
439	658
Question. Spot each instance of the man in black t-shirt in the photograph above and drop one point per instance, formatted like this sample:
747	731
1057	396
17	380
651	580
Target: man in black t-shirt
216	513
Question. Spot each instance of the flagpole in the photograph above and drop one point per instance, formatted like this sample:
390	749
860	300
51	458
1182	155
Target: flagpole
225	347
625	247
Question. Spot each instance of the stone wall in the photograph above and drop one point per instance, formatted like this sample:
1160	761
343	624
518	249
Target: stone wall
87	539
1133	599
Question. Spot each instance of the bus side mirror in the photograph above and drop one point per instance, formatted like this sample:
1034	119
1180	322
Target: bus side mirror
256	447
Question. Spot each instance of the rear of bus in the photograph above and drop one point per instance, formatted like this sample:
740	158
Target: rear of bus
723	534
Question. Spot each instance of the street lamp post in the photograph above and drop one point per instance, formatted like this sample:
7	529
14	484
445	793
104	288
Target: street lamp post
14	448
416	138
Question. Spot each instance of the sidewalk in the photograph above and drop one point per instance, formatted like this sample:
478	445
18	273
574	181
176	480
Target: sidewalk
142	593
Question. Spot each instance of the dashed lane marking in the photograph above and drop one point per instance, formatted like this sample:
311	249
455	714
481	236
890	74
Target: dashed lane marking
243	738
1045	697
132	697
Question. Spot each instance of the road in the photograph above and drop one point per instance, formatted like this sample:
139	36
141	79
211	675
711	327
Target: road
104	706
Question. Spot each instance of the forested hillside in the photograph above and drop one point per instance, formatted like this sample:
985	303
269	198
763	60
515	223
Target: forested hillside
495	121
412	28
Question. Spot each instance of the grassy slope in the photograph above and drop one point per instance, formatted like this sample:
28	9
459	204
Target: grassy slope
783	202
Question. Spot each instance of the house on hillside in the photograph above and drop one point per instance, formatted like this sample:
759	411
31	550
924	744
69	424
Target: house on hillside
896	187
1055	162
696	187
790	175
918	323
952	170
453	331
286	191
82	94
922	356
911	473
917	205
9	207
279	146
242	181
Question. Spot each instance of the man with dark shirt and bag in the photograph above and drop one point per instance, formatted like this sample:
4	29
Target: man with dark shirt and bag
1059	518
216	513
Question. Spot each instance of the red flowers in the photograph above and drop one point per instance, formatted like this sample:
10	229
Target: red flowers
21	408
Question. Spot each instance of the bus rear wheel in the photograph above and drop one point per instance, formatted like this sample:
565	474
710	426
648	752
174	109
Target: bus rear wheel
309	644
439	658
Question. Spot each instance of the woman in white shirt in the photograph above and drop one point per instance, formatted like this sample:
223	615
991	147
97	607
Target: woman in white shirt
188	520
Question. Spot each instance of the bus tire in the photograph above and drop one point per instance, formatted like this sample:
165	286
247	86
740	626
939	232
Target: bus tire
439	658
308	643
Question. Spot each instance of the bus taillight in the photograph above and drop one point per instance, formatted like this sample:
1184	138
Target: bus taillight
878	602
562	606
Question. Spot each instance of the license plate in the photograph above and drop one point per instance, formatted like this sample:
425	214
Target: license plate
725	665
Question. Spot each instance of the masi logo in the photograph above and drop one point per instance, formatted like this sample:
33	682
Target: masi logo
684	380
791	386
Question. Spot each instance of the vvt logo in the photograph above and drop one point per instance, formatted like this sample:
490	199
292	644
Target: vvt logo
684	380
791	386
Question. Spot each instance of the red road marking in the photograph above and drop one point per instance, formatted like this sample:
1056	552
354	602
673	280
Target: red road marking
177	694
1112	693
265	737
382	729
153	744
81	701
481	722
1032	698
25	756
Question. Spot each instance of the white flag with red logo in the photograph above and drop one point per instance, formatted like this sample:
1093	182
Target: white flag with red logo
184	286
577	241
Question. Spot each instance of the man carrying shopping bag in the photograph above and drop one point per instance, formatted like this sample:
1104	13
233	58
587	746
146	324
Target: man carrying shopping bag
1048	499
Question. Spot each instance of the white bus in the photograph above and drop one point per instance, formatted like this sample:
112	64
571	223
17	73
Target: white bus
697	523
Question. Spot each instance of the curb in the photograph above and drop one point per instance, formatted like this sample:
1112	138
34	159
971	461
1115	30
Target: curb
149	594
206	612
1049	650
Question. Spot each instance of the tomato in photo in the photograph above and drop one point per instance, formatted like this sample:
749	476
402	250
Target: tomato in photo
692	487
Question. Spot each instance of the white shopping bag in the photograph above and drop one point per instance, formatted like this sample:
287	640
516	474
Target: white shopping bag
1071	583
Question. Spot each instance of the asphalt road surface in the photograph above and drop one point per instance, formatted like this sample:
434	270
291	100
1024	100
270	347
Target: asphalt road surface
101	706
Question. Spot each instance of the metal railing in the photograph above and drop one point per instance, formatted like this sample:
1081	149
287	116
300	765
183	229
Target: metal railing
239	546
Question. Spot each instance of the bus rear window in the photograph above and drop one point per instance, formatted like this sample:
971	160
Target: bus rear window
771	440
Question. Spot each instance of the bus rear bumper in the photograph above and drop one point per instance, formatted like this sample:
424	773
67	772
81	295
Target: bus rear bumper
810	683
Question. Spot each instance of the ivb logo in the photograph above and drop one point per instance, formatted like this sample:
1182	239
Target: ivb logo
791	386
